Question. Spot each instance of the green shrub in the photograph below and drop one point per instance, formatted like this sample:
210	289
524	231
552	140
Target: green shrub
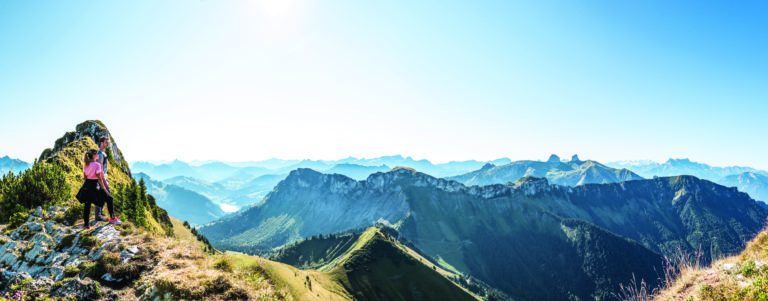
223	265
89	241
88	268
42	185
74	213
721	292
748	269
757	291
71	271
217	286
66	242
105	264
21	285
18	218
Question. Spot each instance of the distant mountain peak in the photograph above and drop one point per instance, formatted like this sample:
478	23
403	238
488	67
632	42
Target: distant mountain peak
680	161
487	166
402	169
575	158
300	172
553	159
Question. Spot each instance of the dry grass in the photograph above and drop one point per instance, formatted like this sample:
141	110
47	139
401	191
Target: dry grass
717	282
177	268
184	271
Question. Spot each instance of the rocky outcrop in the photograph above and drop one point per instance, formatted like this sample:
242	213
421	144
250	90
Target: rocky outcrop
532	185
92	130
45	257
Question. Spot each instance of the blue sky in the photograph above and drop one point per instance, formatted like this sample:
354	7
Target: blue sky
442	80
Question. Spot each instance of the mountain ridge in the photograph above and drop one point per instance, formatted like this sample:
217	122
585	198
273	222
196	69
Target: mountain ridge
571	173
415	202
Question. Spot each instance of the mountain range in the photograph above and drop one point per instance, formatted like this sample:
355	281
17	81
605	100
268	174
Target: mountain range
235	185
571	173
8	164
755	184
182	203
243	184
747	179
495	232
215	171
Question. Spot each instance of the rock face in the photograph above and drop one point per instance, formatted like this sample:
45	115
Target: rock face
41	256
531	186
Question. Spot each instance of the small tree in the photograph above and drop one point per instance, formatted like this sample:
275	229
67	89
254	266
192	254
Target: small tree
42	185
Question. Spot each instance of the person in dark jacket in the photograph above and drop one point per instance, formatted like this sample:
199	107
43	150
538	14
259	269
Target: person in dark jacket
104	143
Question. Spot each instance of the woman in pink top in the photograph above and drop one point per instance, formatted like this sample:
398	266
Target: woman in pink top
97	190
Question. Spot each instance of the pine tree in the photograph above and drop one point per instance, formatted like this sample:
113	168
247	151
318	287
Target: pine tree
139	202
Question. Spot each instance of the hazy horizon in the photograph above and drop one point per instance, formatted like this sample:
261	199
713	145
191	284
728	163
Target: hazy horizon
245	80
564	158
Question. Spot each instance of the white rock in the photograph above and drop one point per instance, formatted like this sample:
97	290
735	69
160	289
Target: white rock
34	252
41	238
109	278
729	266
49	226
41	283
9	259
8	247
57	273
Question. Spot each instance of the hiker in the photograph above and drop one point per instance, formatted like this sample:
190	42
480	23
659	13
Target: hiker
104	143
95	189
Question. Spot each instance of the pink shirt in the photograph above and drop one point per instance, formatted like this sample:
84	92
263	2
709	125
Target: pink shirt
93	170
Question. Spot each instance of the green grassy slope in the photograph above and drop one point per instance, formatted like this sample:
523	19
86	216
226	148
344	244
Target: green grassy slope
376	267
371	265
317	252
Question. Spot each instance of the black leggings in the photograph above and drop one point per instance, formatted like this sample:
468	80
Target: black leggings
87	211
95	193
